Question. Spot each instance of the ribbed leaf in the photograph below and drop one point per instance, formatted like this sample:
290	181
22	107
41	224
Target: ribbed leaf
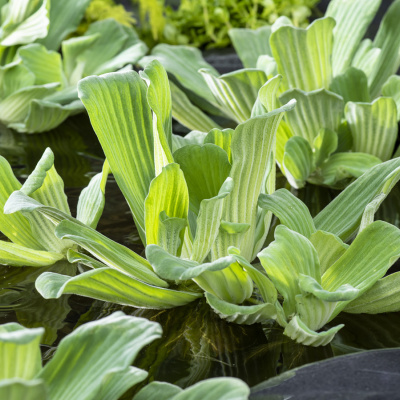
324	145
379	244
109	252
64	20
222	138
187	114
352	19
108	284
168	193
341	166
352	85
184	62
15	226
291	211
15	255
20	351
236	92
74	257
14	76
329	248
250	44
392	89
343	215
208	222
290	255
298	162
24	21
314	111
298	331
92	200
388	41
174	268
17	389
85	358
304	55
122	120
252	145
373	126
243	315
158	391
383	297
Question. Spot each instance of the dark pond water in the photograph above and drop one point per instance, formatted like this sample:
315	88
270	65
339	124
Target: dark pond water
196	344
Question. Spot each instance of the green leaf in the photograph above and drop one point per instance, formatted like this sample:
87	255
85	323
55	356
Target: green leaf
291	211
290	255
370	210
20	351
303	55
298	331
15	226
379	243
122	120
222	138
23	22
64	20
373	126
298	162
324	145
14	76
106	345
92	199
184	62
352	20
323	110
243	315
159	100
209	222
214	388
383	297
174	268
113	254
17	389
187	114
341	166
252	145
352	85
108	284
387	40
329	248
15	255
168	193
205	168
343	215
392	89
249	44
235	92
76	257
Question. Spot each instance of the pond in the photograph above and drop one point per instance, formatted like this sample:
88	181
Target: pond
196	344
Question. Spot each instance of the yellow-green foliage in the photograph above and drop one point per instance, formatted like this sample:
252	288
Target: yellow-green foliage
152	16
103	9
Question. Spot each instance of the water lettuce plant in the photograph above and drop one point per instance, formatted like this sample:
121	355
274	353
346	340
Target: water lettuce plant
38	85
341	126
93	362
202	231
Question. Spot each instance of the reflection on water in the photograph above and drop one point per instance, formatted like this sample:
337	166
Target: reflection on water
196	344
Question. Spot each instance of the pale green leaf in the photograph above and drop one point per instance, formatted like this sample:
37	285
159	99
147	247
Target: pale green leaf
268	65
158	391
373	126
222	138
383	297
17	389
291	211
122	120
303	56
352	19
76	257
235	92
366	57
392	89
113	254
298	162
324	145
14	76
92	199
249	44
108	284
87	356
241	314
20	351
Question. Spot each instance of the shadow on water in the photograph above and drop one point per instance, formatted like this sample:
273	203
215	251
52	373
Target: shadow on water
196	343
